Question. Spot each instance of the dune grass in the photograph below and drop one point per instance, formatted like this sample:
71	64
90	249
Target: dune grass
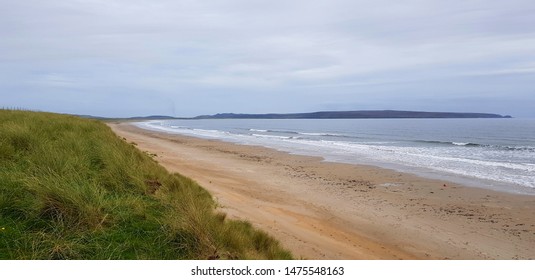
71	189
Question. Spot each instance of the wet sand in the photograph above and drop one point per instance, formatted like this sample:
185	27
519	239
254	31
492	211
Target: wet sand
323	210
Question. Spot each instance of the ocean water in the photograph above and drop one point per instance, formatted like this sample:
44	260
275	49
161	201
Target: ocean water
491	153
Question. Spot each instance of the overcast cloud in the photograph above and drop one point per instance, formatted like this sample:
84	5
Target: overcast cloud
186	58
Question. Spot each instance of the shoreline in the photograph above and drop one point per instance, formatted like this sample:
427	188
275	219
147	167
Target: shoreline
327	210
419	170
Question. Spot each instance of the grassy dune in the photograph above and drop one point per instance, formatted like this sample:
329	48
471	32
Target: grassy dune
71	189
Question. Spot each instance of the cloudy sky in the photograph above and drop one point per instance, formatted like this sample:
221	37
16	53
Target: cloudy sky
121	58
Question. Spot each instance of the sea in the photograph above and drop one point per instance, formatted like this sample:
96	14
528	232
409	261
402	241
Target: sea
497	154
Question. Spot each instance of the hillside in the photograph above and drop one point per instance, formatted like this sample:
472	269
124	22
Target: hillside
384	114
71	189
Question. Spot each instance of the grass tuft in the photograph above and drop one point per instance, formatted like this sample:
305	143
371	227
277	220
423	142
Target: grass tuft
71	189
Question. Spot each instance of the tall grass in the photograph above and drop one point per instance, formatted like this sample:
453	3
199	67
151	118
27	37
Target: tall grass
71	189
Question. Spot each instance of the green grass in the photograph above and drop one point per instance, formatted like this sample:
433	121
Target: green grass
71	189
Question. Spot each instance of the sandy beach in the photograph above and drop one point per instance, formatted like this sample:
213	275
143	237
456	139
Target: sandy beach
324	210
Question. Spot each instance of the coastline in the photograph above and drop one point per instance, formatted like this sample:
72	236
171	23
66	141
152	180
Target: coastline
325	210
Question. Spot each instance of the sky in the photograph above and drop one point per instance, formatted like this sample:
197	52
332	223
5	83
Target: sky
122	58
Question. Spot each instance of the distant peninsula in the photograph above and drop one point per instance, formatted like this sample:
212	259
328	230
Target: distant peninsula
365	114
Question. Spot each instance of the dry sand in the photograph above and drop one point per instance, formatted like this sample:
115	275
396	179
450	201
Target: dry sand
323	210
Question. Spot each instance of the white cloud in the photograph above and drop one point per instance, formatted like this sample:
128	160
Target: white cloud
176	47
53	80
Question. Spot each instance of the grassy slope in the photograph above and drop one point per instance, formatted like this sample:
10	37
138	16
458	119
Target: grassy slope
71	189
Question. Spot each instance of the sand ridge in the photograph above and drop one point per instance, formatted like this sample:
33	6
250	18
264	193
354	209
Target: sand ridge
323	210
